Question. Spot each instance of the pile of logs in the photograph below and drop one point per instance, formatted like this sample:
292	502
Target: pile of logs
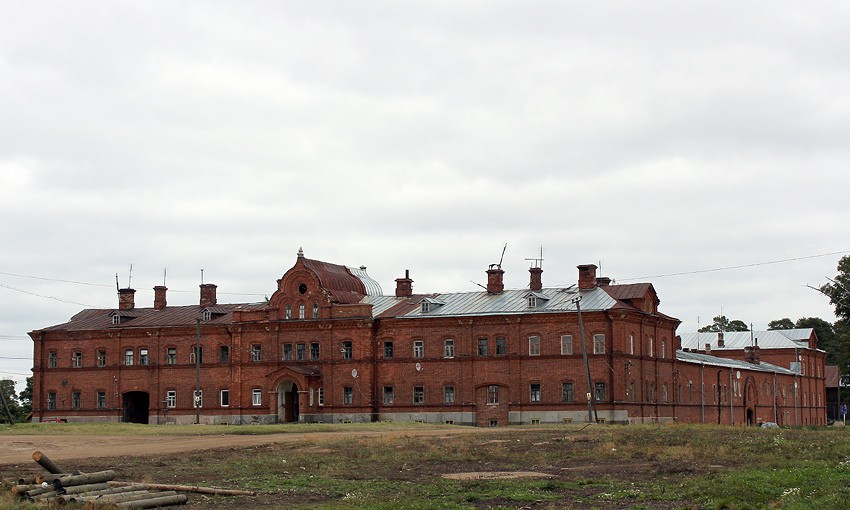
101	489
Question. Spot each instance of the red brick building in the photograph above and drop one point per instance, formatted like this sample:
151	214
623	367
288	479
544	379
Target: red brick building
328	346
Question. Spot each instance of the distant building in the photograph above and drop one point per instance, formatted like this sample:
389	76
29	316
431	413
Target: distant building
329	346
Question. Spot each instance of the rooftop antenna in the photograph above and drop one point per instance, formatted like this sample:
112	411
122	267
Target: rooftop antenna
503	255
164	274
117	287
537	262
202	276
476	283
130	277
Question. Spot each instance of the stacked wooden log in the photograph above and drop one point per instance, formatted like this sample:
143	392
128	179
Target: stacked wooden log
57	488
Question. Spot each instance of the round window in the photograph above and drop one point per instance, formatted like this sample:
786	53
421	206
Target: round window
302	288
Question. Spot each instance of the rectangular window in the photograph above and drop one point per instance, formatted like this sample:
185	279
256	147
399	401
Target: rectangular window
449	395
51	400
501	346
483	345
663	349
288	311
492	394
534	346
598	344
224	354
101	400
52	359
566	345
287	352
128	357
388	395
314	350
300	311
599	392
300	352
198	398
143	356
101	358
315	310
651	347
535	392
256	353
171	356
567	392
224	398
449	348
419	395
321	396
256	397
116	319
347	395
388	350
418	348
631	344
171	399
197	353
347	350
75	400
77	359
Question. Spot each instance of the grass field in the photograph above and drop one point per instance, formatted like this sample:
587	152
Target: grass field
599	467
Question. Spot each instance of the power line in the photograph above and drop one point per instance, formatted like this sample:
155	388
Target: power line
12	357
733	267
46	297
55	280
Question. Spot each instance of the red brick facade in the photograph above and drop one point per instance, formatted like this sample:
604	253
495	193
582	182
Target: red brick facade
329	347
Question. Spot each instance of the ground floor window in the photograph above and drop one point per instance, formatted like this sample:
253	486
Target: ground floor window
388	395
321	397
224	398
101	400
75	400
51	400
347	395
256	397
567	392
170	399
449	395
535	392
199	398
419	395
492	394
599	391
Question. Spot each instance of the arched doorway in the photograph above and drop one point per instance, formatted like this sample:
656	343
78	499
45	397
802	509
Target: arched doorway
136	407
287	401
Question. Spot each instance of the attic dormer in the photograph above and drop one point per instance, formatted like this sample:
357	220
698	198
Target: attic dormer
121	316
536	299
430	304
209	313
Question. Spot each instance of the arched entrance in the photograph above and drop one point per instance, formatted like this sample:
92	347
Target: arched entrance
136	407
287	401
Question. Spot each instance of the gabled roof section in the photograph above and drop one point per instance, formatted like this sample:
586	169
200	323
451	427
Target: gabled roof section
344	284
735	340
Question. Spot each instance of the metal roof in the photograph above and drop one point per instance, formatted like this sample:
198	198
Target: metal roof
772	339
707	359
373	288
484	303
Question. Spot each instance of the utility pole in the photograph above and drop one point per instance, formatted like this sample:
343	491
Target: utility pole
6	407
591	404
197	396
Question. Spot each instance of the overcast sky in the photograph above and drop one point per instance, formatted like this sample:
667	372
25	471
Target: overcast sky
651	137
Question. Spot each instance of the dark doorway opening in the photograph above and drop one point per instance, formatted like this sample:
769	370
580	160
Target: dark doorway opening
136	407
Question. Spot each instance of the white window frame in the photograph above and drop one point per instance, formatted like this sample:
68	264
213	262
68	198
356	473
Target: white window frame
224	395
493	394
101	358
256	397
419	348
256	353
348	350
321	395
535	389
449	348
144	357
449	394
77	359
566	345
419	395
534	345
198	398
598	344
129	357
171	399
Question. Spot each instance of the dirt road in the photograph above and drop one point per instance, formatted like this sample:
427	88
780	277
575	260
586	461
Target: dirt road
19	449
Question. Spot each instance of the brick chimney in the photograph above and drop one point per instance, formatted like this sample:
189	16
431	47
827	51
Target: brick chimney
708	349
536	282
126	299
587	276
751	353
404	286
208	294
159	297
603	281
720	342
494	279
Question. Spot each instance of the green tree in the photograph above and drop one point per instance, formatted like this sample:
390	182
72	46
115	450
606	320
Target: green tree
7	388
784	323
721	323
838	289
25	398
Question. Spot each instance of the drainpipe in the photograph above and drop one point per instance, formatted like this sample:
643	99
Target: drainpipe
702	391
731	396
774	399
